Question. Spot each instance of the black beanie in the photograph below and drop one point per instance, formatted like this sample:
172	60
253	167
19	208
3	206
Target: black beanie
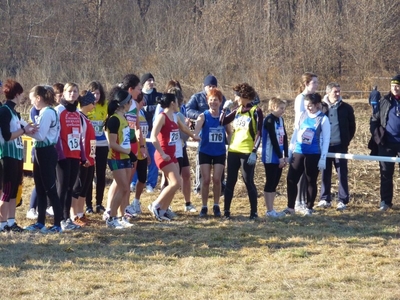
145	77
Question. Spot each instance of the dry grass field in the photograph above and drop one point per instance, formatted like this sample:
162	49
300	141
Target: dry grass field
330	255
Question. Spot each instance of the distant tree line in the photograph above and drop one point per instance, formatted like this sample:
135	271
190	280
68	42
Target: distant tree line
267	43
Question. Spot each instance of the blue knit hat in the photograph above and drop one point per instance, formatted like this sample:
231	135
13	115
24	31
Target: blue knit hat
87	99
210	80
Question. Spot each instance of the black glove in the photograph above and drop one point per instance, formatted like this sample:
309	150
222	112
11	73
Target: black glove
132	157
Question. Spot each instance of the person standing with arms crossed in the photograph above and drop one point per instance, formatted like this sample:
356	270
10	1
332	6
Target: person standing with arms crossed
385	128
343	127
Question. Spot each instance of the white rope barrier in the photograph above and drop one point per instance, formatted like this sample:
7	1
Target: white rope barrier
333	155
364	157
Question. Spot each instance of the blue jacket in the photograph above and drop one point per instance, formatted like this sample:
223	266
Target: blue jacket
150	107
197	104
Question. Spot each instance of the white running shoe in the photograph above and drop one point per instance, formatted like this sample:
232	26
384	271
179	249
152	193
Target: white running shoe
125	223
274	214
69	225
137	206
324	204
149	189
190	208
130	211
114	223
106	215
132	187
308	212
341	206
32	214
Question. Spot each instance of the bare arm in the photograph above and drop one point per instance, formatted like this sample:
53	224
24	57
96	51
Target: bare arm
112	141
185	129
158	124
199	124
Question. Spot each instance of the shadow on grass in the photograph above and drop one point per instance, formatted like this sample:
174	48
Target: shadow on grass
191	236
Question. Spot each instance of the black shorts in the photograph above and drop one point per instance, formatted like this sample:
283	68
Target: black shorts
205	159
12	178
185	159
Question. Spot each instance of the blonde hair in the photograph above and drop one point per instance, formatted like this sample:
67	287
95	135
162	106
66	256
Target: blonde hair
70	85
275	102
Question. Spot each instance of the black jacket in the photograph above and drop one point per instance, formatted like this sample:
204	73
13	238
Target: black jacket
347	123
379	118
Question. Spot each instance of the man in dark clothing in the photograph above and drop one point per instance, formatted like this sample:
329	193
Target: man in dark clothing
149	96
385	128
374	98
343	127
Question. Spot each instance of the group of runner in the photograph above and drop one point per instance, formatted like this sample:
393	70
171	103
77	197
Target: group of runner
77	134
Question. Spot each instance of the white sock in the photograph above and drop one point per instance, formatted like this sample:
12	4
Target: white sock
135	201
10	222
79	215
2	224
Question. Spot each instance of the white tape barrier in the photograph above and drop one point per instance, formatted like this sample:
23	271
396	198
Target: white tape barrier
364	157
333	155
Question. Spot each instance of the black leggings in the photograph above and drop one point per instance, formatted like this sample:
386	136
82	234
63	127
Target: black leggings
44	175
141	170
235	162
100	170
307	163
67	171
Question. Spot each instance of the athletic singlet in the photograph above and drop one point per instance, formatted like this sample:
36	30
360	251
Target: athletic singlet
49	117
97	116
308	134
89	139
12	148
212	136
242	141
168	136
144	128
123	139
70	132
179	142
131	117
268	154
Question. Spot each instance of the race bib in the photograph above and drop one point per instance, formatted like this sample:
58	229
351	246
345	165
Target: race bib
281	134
126	140
73	142
18	143
92	148
98	127
144	129
242	122
307	136
216	135
173	137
